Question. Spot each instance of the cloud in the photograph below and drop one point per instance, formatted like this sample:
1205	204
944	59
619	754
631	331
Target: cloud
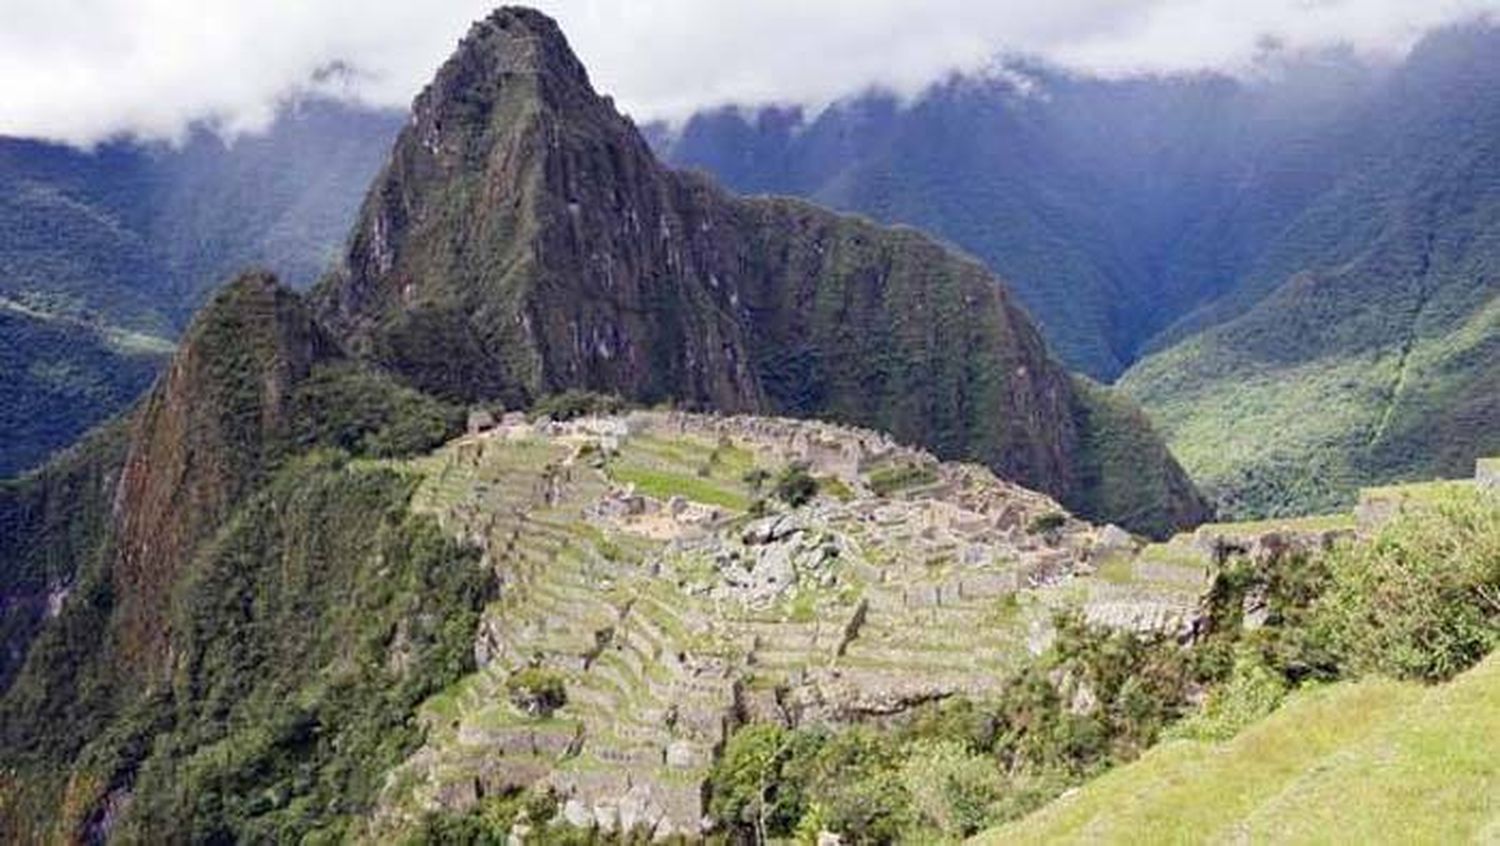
84	70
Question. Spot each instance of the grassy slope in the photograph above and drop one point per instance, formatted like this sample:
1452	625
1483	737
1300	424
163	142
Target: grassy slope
1375	761
1366	347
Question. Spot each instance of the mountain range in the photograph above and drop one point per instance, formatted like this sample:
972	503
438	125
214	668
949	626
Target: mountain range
1164	232
1294	274
575	493
106	254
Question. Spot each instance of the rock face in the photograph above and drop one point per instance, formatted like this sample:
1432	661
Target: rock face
522	239
202	439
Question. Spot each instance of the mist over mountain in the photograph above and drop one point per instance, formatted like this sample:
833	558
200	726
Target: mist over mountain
559	495
125	242
1131	215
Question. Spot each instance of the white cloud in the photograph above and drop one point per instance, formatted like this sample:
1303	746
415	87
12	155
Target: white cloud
82	70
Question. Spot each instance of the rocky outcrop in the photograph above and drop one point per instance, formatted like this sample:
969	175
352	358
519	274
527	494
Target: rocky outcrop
522	240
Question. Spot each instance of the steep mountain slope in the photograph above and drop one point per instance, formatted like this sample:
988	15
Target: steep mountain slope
1112	207
97	247
171	584
1375	761
523	240
1368	347
1317	244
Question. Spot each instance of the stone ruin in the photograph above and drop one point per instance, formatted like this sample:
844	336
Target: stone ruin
673	620
1487	473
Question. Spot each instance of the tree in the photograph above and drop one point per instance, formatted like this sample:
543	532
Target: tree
795	486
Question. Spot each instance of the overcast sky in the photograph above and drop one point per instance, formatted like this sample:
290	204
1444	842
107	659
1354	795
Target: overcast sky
82	70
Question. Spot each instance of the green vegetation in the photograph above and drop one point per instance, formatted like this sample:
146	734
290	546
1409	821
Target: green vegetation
1417	600
1422	599
1314	523
307	634
1365	349
60	379
795	486
1373	761
54	525
885	481
718	475
1045	523
1368	758
665	485
105	254
537	691
354	408
958	766
572	404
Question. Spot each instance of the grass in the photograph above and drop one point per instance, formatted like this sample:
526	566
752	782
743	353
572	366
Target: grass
663	484
1118	569
1367	762
1311	523
1415	492
888	480
694	470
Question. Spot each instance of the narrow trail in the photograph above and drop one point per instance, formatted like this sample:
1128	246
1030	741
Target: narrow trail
1408	341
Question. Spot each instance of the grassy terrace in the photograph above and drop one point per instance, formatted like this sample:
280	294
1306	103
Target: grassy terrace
1374	761
1417	491
1311	523
690	468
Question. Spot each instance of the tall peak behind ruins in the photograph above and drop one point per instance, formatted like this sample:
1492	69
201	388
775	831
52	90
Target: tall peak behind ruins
522	239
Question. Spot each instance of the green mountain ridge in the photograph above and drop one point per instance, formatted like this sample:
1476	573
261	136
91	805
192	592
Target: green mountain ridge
1375	356
132	237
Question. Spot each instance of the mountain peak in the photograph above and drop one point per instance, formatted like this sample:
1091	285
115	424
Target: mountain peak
523	240
513	55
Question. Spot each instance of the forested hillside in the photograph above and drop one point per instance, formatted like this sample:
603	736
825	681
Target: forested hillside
1333	220
127	240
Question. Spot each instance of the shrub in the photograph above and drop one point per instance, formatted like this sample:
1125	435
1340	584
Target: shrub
756	478
952	790
752	790
854	786
354	408
537	691
1422	599
1252	691
572	404
795	486
1047	523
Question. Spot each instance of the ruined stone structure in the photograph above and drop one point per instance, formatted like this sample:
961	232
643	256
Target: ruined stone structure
1487	473
633	564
